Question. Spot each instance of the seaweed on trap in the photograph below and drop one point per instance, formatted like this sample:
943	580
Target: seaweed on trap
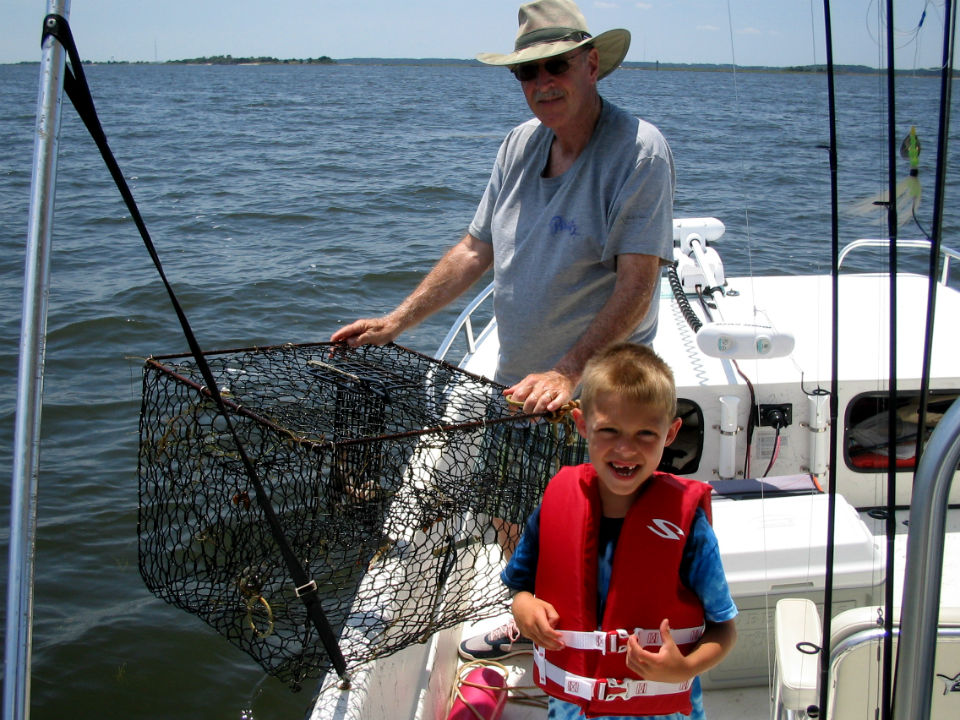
386	468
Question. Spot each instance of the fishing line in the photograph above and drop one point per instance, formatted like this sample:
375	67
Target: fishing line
736	103
754	410
915	36
695	324
910	35
939	188
879	490
75	85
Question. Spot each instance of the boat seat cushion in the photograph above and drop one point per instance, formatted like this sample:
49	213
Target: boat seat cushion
857	661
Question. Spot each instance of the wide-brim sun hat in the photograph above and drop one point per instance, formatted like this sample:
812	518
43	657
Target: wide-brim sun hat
553	27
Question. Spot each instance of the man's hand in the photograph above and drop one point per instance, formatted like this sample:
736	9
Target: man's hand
368	331
457	270
542	392
536	619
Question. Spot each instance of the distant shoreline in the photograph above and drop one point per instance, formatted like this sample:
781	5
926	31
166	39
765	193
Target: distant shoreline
435	62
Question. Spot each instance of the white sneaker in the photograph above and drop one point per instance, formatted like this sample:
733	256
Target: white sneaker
500	642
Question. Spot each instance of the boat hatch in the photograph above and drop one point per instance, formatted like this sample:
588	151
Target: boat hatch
865	444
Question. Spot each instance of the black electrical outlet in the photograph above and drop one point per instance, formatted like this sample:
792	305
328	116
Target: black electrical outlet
776	416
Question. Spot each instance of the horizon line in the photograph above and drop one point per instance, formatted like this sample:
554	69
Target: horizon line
325	59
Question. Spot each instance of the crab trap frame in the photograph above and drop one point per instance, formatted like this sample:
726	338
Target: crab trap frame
391	473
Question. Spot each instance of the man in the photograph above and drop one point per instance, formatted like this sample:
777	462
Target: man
576	219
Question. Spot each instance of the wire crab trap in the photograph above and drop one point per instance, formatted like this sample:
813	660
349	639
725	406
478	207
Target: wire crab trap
391	474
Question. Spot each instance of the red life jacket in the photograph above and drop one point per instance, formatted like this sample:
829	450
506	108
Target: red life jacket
645	588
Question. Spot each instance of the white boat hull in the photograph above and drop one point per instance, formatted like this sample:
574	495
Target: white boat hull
773	545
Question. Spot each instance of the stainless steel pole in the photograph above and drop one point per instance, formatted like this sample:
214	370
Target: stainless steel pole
920	606
23	500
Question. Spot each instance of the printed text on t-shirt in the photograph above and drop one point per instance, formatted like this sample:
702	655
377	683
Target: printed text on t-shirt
559	223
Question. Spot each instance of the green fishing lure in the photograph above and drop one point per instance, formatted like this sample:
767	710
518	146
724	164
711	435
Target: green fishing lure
909	190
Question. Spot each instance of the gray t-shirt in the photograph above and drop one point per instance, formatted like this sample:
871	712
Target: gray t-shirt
556	240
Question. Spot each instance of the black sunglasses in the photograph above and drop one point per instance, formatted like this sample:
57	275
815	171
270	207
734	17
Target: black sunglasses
554	66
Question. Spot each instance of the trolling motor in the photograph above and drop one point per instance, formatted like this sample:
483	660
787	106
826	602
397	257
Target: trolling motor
699	270
698	264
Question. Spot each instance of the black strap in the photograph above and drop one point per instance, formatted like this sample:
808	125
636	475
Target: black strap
75	85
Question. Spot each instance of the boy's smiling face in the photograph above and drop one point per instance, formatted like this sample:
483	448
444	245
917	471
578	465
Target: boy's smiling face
625	440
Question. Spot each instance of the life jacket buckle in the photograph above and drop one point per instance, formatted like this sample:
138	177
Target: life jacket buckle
616	641
613	689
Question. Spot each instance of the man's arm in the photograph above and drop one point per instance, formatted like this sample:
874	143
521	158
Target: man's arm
638	277
457	270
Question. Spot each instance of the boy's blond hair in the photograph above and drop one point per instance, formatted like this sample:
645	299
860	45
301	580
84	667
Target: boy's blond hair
632	371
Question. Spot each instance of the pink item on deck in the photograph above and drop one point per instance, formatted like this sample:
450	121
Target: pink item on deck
482	695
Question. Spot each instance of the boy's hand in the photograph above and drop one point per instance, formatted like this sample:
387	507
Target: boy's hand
536	619
667	664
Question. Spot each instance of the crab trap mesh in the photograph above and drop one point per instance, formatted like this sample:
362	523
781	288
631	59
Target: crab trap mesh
392	475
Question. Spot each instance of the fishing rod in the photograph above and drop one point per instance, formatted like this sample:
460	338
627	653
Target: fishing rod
834	366
890	522
919	617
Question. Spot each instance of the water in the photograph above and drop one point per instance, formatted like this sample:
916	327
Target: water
285	201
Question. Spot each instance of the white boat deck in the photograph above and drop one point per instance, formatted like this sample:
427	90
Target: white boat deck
752	702
801	305
771	550
415	683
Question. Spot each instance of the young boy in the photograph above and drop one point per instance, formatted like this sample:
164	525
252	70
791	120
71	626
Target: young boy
617	578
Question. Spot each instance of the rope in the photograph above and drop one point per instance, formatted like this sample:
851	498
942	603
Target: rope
457	691
518	694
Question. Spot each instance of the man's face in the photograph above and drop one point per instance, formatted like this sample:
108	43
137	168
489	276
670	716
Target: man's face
558	98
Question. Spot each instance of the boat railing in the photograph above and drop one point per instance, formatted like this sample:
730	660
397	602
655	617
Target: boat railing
921	244
464	323
704	229
924	567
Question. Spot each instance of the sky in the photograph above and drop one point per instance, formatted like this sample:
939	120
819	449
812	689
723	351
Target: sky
742	32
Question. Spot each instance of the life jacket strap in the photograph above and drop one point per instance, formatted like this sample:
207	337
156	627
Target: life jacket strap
615	641
600	689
